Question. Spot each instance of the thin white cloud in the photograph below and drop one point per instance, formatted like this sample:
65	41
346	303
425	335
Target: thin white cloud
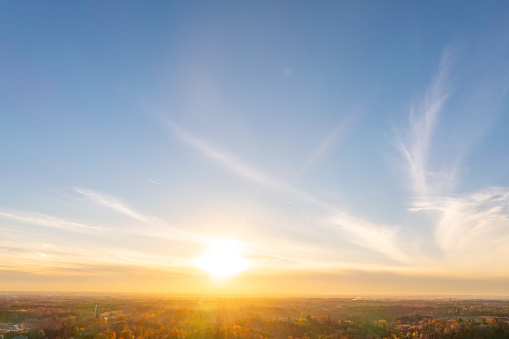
360	232
238	167
472	226
469	218
110	202
339	131
423	120
48	221
34	258
280	254
157	226
41	254
231	162
382	239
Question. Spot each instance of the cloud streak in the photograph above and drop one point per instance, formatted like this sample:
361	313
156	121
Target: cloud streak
161	227
469	218
48	221
472	226
423	120
238	167
360	232
382	239
110	202
229	161
339	131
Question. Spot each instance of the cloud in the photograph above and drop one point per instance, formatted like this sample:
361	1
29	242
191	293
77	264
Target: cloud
469	218
41	254
360	232
339	131
423	119
382	239
111	203
238	167
471	226
158	227
229	161
32	256
46	220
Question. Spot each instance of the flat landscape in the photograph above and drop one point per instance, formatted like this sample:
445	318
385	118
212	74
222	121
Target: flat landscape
254	169
95	316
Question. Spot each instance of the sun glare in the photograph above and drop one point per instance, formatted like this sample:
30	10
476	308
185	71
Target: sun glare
223	259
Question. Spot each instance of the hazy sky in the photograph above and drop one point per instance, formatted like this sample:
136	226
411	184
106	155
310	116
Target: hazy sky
346	147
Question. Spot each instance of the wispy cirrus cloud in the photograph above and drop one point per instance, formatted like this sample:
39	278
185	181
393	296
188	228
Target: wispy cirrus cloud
35	258
337	133
416	143
471	226
232	163
481	217
361	232
378	238
159	227
468	226
237	166
111	202
38	219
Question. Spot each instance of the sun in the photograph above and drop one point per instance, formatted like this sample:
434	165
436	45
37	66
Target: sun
223	259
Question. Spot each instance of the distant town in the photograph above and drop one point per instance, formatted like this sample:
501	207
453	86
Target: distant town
27	316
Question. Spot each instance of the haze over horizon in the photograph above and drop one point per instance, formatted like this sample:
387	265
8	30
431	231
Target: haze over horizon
290	148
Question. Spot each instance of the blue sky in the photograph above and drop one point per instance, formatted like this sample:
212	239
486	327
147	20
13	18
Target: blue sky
338	139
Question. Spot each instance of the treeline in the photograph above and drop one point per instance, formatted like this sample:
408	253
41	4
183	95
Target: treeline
229	318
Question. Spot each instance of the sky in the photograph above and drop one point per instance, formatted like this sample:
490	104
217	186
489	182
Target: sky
331	148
